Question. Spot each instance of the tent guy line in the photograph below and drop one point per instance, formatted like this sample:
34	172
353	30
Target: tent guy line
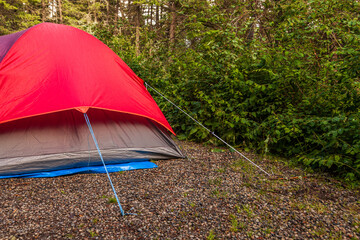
199	123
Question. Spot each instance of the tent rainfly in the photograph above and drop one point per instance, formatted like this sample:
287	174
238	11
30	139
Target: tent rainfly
53	75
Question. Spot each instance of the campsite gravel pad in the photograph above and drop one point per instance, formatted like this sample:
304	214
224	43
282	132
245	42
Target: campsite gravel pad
214	195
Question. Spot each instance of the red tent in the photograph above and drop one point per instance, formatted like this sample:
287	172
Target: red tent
49	75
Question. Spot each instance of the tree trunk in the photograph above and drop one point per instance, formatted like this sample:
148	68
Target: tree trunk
107	12
116	12
43	10
157	16
129	8
60	12
151	16
172	24
56	12
95	16
137	41
137	24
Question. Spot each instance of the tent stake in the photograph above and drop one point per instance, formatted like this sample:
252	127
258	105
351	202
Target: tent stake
98	149
199	123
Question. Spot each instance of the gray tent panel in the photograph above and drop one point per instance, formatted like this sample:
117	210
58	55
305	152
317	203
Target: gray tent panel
62	140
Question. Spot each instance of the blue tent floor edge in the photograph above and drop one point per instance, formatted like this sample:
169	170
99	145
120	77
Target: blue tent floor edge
90	169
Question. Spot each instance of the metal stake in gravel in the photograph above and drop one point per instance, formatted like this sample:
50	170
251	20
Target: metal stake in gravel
98	149
147	85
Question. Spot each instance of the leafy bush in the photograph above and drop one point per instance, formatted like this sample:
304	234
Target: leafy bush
292	89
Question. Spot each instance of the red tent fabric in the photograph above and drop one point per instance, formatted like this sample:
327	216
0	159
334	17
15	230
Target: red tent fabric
51	68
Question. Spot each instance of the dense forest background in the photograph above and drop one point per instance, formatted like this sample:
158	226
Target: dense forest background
277	76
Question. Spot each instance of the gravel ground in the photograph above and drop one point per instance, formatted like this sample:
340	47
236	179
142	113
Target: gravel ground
211	195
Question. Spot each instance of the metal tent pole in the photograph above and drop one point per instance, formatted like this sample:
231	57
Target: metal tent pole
98	149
